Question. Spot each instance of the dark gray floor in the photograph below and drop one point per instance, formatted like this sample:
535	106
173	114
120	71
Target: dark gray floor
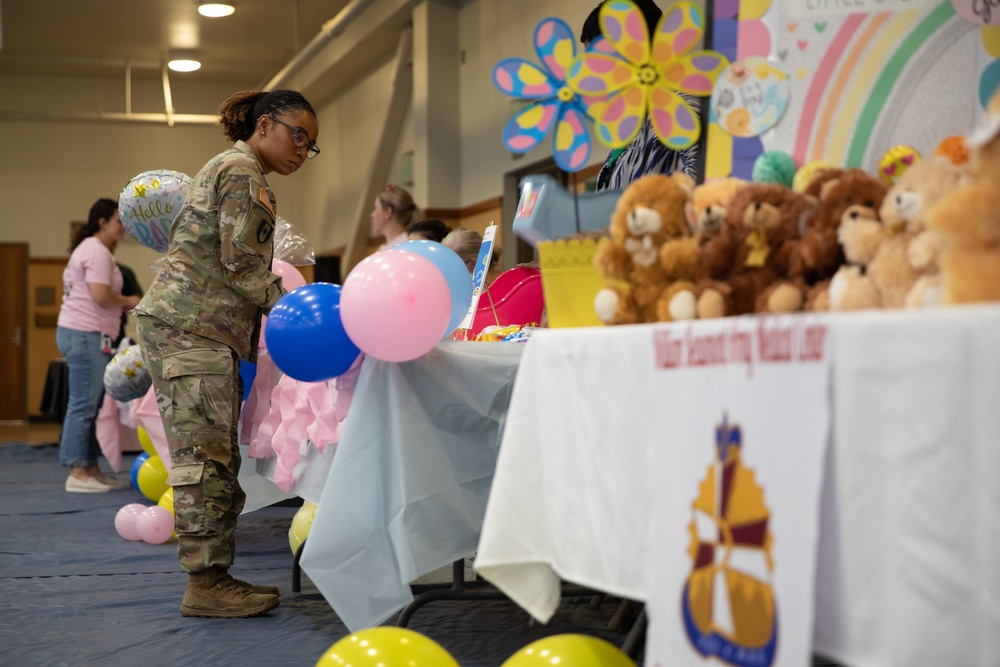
72	592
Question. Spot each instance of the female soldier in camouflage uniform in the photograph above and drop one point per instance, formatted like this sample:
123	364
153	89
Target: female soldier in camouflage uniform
201	316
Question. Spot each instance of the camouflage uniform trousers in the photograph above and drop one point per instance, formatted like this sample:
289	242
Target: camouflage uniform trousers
198	391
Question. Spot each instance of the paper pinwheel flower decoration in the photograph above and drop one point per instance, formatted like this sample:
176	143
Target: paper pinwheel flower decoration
647	76
554	101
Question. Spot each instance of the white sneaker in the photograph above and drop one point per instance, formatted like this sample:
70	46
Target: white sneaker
89	485
114	482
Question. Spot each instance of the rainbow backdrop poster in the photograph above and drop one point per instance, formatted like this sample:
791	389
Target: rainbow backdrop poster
861	82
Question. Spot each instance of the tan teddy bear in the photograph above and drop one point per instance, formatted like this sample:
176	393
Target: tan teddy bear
649	219
707	209
968	219
881	243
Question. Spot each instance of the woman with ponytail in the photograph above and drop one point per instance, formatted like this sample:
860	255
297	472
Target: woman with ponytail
89	320
201	316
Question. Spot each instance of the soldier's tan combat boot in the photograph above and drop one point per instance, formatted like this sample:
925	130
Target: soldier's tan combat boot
213	593
266	590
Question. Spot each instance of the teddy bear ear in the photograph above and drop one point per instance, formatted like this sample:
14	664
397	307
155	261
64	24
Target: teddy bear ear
827	188
985	132
691	213
683	180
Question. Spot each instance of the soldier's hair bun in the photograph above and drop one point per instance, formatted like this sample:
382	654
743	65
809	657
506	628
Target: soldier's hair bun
239	112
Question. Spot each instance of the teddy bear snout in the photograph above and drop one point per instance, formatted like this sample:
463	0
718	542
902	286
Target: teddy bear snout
642	220
712	219
908	205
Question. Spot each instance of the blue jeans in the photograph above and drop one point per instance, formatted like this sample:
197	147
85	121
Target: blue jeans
85	361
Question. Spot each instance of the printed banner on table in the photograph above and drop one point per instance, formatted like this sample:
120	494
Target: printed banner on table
735	487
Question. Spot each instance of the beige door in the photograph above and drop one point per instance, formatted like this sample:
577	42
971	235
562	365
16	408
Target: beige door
13	331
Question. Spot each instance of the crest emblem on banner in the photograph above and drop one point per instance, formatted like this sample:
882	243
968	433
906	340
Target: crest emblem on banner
728	603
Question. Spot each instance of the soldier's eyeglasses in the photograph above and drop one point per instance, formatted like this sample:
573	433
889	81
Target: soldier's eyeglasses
300	138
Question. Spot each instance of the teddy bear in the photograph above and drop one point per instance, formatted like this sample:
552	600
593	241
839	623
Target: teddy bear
837	190
707	209
705	212
968	220
821	254
881	244
751	265
649	219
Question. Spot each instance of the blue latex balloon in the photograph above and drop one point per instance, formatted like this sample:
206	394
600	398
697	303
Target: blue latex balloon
248	371
134	470
305	336
455	273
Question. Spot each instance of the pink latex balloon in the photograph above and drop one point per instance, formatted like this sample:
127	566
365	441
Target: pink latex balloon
261	343
290	276
125	521
395	306
155	524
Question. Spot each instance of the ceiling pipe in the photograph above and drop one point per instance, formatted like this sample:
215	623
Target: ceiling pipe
104	117
328	32
128	87
168	101
87	63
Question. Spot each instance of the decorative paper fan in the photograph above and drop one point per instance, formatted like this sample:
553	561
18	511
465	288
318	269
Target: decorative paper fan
647	78
554	102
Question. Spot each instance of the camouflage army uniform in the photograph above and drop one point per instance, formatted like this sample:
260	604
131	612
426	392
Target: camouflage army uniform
199	318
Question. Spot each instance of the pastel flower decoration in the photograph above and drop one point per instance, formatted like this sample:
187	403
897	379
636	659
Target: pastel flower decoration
648	75
555	103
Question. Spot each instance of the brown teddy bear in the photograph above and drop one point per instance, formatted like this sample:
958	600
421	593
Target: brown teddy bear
837	191
822	255
752	265
881	243
649	219
968	219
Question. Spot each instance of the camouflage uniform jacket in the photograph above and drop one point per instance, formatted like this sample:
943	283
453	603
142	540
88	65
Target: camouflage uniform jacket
216	279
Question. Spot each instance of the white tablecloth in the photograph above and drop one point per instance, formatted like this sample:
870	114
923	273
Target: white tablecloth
571	500
407	489
910	522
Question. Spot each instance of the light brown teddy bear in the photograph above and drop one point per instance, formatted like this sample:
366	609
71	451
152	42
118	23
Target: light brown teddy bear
880	243
968	219
707	209
648	221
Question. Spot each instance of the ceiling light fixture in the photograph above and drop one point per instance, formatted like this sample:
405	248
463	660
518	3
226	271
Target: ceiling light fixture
215	9
183	60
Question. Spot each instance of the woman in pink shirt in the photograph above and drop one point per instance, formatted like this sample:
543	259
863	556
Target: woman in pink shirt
89	320
392	215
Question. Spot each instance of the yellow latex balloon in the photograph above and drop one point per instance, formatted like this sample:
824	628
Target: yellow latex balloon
152	478
146	442
570	649
301	523
806	173
166	501
386	646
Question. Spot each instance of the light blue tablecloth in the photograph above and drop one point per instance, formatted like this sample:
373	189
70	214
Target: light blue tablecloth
407	489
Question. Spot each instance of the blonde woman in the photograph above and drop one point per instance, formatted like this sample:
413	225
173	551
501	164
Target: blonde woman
392	215
465	242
